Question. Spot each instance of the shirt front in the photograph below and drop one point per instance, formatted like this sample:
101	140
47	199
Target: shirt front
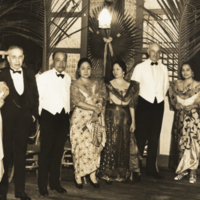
54	92
18	80
153	80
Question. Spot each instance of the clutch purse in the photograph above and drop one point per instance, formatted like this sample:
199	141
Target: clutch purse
97	135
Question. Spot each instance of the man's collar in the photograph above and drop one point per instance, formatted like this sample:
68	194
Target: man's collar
149	60
20	69
63	72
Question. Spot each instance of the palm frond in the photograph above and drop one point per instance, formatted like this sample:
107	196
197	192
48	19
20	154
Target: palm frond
44	22
31	27
178	35
123	31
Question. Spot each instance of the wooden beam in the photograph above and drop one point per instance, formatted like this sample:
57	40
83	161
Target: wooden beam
84	32
139	20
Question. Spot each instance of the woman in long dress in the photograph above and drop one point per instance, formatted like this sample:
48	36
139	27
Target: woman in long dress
185	98
4	92
120	125
87	133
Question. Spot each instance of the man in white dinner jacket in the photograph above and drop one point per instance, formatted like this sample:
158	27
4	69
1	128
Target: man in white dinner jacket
54	109
153	78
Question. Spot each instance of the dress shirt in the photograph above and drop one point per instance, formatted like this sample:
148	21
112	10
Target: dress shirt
153	79
18	80
54	92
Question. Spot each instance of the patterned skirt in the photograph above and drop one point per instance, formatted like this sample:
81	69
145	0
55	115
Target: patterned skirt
86	156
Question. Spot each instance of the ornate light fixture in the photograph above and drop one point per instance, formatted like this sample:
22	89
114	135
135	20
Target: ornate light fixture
104	19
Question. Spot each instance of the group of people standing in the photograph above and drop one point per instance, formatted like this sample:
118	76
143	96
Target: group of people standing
109	125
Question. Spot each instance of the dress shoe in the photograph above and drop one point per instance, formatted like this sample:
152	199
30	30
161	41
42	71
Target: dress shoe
156	175
59	189
3	197
3	193
44	192
136	177
22	196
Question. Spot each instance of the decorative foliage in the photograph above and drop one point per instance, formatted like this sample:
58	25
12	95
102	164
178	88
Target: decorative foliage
31	27
122	36
41	25
180	32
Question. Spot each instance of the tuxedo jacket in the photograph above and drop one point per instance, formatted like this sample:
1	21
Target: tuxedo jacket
29	83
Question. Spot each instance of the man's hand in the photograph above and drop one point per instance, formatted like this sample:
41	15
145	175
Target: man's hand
132	127
33	118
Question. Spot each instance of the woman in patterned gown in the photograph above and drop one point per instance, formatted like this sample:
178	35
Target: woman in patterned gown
185	99
120	125
87	133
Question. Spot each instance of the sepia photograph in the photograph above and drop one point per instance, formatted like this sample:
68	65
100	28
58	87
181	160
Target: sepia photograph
99	99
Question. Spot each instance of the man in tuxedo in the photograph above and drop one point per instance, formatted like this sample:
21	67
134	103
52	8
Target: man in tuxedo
54	109
19	111
153	78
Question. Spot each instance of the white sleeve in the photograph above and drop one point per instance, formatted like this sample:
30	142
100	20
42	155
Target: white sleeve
166	84
41	84
136	74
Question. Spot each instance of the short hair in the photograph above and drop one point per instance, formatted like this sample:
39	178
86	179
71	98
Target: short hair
80	62
53	55
15	47
122	64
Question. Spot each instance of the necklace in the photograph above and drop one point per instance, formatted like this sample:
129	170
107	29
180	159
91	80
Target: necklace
86	85
188	87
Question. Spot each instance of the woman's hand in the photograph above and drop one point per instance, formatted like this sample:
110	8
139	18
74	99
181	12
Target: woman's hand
132	127
99	105
179	106
1	103
94	118
97	110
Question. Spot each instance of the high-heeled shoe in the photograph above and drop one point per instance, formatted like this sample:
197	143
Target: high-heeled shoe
95	185
193	178
180	176
136	177
78	185
109	182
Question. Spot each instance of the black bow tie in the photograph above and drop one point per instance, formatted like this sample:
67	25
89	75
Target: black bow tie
15	71
60	75
154	63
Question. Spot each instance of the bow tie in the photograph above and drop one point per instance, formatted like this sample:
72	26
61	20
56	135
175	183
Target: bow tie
60	75
15	71
154	63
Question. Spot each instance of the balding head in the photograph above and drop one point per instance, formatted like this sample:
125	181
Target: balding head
154	52
15	57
